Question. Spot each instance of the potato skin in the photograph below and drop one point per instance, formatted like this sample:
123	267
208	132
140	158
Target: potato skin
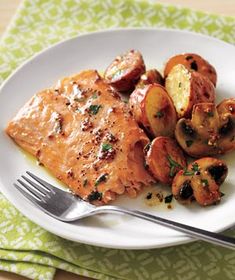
200	89
152	76
194	62
162	152
125	70
153	109
211	130
201	181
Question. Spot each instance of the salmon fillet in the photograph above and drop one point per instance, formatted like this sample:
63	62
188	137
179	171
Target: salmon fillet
85	135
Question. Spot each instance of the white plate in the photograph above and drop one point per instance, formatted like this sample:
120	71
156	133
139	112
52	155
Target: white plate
97	50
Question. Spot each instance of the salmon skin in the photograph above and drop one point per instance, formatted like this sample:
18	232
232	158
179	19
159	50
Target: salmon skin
85	135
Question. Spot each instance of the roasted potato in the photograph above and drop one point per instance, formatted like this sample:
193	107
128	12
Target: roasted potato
187	88
153	109
211	130
194	62
124	72
151	76
164	159
200	181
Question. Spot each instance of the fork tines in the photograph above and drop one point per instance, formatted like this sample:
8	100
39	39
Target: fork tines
34	187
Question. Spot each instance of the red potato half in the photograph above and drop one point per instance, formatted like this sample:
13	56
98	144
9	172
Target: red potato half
187	88
152	76
200	181
125	70
153	109
194	62
164	159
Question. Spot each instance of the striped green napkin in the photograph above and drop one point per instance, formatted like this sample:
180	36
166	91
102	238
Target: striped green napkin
29	250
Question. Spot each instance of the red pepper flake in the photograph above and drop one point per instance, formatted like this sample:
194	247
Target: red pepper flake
50	136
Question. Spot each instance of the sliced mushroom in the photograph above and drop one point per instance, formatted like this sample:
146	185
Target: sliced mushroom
200	181
211	130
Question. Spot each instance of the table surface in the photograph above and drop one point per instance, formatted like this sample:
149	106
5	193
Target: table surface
7	10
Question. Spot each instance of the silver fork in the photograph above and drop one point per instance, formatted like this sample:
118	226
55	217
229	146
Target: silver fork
66	207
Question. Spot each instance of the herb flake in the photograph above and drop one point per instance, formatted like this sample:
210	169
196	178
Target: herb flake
102	178
94	109
204	182
168	198
210	114
159	114
188	172
195	167
189	143
194	170
106	147
94	195
173	166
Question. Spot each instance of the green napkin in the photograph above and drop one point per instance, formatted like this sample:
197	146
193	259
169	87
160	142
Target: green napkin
31	251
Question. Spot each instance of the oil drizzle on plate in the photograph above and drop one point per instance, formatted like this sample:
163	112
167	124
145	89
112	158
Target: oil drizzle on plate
159	197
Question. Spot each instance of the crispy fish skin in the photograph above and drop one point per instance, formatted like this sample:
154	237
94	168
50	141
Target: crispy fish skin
85	135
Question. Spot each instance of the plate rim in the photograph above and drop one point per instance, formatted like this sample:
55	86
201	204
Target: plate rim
182	239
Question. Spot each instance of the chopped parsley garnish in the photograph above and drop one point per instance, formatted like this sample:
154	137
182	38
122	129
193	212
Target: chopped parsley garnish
222	194
210	114
118	73
188	172
102	178
159	114
168	198
204	182
189	143
194	169
94	109
173	166
180	84
106	147
95	195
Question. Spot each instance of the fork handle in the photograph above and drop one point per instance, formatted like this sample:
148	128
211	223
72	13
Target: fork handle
208	236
